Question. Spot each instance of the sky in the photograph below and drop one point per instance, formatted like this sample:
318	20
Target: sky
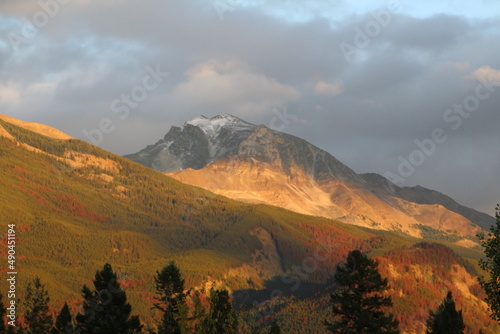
406	89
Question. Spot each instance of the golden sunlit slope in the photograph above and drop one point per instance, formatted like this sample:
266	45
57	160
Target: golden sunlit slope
260	182
35	127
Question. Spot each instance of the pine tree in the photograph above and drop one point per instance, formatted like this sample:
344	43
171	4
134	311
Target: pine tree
357	305
37	316
64	321
3	312
221	318
171	300
105	309
446	320
491	286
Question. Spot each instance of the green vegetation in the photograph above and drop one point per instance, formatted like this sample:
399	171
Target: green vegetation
359	306
430	233
221	317
37	317
491	265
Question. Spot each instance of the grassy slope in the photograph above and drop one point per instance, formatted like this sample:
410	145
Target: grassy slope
72	219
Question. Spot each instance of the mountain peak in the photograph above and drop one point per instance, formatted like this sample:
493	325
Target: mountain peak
211	126
225	136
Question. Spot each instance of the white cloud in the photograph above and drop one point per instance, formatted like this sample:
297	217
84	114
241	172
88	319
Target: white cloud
232	87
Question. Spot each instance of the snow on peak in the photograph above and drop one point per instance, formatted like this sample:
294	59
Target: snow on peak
212	126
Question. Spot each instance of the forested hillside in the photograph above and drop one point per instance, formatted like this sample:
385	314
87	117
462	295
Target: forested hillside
77	207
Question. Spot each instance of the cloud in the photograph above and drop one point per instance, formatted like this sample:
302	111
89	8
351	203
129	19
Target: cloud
488	74
263	55
324	88
435	34
232	87
9	94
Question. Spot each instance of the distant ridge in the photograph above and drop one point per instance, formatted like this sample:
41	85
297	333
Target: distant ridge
423	195
38	128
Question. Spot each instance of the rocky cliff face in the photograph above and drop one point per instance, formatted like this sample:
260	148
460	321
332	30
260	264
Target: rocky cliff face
202	141
195	144
252	163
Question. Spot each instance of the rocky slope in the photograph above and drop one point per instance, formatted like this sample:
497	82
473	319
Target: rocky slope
234	158
423	195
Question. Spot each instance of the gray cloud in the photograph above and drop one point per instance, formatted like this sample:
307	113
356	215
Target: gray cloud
264	55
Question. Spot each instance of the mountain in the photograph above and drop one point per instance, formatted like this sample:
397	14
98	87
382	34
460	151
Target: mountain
421	195
254	164
76	207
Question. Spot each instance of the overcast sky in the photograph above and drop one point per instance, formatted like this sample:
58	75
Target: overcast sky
407	89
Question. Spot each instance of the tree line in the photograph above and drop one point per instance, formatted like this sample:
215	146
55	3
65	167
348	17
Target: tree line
105	309
360	305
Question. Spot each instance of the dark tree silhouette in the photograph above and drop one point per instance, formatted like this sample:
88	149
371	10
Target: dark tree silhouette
171	299
491	264
105	309
446	319
358	306
64	321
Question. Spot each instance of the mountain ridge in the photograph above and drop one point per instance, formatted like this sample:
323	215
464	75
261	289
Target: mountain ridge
233	154
422	195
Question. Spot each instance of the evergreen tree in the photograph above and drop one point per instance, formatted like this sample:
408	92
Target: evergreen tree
105	309
37	316
446	320
357	305
221	318
64	321
3	312
491	264
171	300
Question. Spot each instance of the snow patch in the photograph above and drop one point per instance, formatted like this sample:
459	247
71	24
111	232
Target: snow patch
212	126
